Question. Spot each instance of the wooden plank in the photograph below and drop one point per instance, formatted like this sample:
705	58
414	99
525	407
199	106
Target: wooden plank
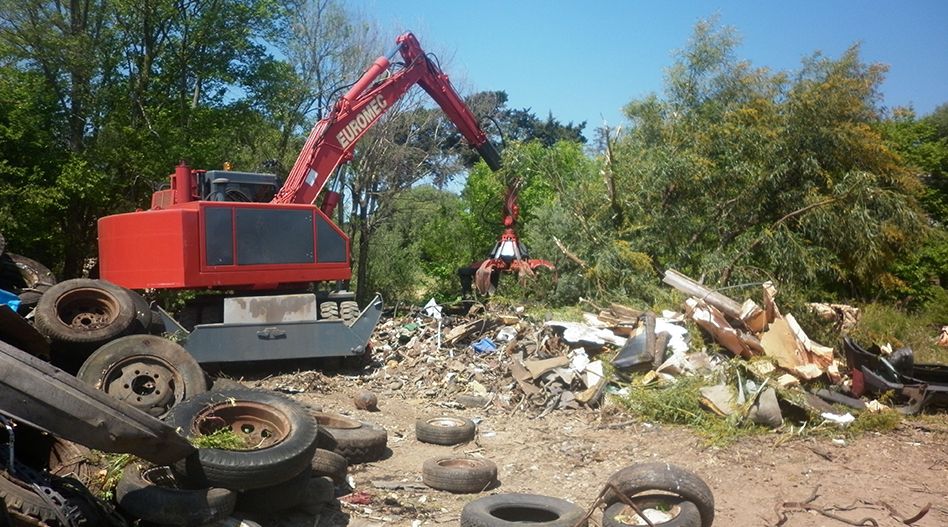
688	286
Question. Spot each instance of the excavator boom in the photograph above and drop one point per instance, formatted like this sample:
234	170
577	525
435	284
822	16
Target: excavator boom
334	138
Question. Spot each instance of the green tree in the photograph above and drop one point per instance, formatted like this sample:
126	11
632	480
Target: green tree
921	274
741	174
110	95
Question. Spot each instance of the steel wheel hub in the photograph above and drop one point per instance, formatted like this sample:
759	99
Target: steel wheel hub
146	383
87	309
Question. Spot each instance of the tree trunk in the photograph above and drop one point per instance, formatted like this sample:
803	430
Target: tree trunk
362	269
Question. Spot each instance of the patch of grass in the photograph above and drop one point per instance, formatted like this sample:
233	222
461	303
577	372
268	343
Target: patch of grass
223	439
882	323
680	403
884	421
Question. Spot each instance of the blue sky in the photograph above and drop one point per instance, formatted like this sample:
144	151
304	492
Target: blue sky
583	61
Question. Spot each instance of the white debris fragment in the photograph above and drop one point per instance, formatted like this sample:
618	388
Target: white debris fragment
842	420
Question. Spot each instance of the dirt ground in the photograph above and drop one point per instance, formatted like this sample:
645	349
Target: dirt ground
570	454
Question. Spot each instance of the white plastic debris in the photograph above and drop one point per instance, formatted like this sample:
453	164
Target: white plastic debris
842	420
578	360
678	342
575	333
433	310
506	334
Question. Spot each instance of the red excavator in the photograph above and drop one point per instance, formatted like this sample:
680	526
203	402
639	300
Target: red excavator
236	232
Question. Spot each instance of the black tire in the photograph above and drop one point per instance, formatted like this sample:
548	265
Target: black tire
521	510
664	477
143	314
68	459
150	373
84	311
445	430
348	310
462	475
331	464
683	512
284	496
357	441
223	383
20	498
37	278
285	431
155	495
320	490
329	310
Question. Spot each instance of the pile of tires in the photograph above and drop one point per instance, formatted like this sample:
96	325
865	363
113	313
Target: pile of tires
278	467
458	474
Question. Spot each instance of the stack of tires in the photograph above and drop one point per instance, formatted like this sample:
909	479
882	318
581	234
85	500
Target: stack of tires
272	470
452	473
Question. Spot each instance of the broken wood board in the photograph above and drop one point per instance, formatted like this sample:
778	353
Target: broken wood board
626	312
817	353
688	286
713	321
770	307
467	330
539	367
780	343
523	377
753	316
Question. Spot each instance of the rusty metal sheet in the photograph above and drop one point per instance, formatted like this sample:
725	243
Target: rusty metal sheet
41	395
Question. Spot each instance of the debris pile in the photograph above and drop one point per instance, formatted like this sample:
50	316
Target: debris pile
505	360
509	361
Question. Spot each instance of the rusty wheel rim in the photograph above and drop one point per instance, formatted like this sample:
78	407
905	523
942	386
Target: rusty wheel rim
259	425
446	422
87	309
459	463
148	383
335	421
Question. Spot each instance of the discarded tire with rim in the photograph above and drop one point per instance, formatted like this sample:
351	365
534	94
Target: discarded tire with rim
445	430
357	441
84	311
280	434
150	373
154	494
521	510
463	475
664	477
661	510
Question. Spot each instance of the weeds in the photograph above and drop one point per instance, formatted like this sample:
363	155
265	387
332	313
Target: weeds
680	403
223	439
107	478
882	323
